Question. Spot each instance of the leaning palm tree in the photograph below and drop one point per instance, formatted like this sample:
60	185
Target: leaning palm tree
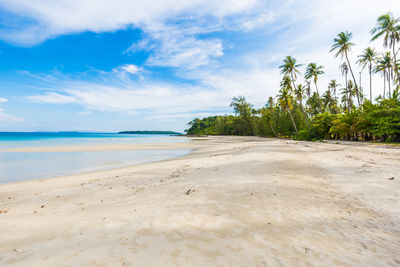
368	57
290	68
285	98
388	27
343	45
313	71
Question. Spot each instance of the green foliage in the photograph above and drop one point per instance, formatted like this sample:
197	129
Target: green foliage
301	113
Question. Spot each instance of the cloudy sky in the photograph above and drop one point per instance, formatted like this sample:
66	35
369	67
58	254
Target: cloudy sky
101	65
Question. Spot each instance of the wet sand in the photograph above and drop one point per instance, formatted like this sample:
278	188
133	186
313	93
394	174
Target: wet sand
234	201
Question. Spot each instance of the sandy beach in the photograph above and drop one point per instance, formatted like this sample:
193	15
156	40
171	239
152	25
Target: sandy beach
234	201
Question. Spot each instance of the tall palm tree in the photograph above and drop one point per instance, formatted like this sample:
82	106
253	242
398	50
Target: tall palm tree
348	92
383	65
343	45
285	98
328	100
368	57
313	71
290	68
333	85
307	88
388	27
345	70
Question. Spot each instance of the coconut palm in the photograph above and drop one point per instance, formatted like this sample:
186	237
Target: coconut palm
290	68
333	85
389	28
328	100
368	57
313	71
348	92
285	98
345	70
383	65
343	46
307	88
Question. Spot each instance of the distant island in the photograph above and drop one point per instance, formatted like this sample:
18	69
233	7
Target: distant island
149	132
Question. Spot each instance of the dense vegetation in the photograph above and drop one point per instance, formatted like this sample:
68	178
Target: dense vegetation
149	132
341	112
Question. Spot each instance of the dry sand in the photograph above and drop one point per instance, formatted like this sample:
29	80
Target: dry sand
232	202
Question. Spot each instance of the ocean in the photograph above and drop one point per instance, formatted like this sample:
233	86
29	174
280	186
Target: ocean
20	166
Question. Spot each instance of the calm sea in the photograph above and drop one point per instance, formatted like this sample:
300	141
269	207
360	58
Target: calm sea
19	166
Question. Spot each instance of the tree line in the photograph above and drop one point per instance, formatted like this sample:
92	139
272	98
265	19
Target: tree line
342	111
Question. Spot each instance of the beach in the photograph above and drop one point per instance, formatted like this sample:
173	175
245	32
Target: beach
233	201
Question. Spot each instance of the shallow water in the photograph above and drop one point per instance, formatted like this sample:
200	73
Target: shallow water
19	166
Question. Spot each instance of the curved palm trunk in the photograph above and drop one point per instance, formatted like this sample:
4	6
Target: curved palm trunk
370	81
316	87
272	128
291	117
354	79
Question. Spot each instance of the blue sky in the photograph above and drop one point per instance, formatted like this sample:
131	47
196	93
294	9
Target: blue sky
100	65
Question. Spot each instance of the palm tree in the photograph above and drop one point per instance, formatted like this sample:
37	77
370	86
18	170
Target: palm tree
348	93
333	85
329	102
308	88
381	66
345	70
313	71
343	45
384	65
368	57
290	67
388	27
285	98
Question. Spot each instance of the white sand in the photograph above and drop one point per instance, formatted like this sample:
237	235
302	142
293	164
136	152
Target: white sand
253	202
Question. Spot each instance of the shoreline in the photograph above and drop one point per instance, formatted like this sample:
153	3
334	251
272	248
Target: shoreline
103	157
231	201
97	172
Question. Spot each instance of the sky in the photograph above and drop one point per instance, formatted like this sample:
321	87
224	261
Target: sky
106	66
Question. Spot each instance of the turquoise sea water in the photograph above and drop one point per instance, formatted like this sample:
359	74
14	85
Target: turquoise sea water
19	166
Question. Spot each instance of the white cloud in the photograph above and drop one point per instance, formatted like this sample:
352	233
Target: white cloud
180	34
53	98
171	24
184	52
212	93
2	99
130	68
